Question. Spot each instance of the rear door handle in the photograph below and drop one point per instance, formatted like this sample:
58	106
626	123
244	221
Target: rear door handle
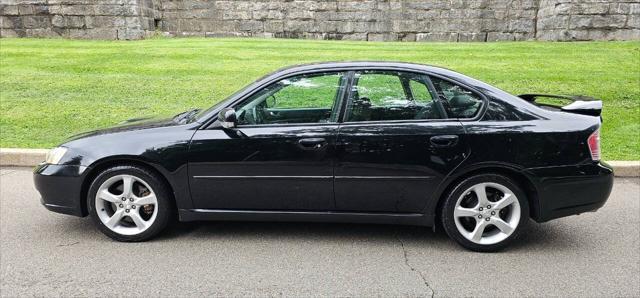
444	141
312	143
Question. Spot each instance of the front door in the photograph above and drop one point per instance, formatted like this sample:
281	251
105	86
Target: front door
281	154
396	144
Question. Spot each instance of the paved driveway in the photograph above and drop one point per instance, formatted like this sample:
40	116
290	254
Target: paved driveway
47	254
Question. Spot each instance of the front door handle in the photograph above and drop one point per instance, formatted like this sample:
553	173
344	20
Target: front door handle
444	141
312	143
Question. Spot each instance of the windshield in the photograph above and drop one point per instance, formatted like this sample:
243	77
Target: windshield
203	113
207	111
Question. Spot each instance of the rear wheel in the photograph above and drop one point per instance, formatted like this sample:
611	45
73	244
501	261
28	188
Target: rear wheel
129	203
485	212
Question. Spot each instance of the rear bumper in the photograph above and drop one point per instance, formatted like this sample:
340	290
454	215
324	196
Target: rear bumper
570	190
60	187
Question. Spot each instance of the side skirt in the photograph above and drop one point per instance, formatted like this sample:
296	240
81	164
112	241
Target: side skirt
416	219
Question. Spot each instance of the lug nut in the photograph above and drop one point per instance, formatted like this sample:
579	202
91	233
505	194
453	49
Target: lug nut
480	209
488	206
479	216
120	205
124	199
131	199
487	219
126	210
133	207
493	213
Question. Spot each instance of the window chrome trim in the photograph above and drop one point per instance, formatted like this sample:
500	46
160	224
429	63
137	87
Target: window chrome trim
287	125
407	121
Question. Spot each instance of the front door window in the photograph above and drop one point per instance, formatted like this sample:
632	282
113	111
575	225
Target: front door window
300	99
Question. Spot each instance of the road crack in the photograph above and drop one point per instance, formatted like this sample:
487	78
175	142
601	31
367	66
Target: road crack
406	262
69	244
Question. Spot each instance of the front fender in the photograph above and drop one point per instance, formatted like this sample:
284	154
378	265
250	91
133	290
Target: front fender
177	179
162	149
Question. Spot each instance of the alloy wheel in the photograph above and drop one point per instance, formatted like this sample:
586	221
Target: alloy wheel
487	213
126	204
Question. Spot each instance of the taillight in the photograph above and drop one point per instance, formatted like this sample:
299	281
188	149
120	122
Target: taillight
594	145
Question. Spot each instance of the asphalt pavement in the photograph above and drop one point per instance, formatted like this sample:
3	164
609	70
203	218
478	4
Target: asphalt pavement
48	254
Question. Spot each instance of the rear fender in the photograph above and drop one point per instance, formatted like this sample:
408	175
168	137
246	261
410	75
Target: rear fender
510	170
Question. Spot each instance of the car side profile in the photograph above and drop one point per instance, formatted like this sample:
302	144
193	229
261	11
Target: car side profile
360	142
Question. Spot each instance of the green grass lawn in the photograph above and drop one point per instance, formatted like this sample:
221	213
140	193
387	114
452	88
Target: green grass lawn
51	89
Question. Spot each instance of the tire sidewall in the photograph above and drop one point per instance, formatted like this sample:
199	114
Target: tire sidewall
162	195
448	220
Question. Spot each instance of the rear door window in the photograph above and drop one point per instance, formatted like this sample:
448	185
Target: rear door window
420	91
390	95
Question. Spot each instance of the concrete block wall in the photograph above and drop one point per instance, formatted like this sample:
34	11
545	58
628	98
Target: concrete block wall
374	20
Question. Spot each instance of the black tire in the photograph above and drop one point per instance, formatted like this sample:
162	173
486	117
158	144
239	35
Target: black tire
165	203
447	211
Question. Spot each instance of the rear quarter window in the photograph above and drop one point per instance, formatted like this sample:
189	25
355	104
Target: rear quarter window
458	101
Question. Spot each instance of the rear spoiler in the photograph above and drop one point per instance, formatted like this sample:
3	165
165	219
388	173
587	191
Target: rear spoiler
580	104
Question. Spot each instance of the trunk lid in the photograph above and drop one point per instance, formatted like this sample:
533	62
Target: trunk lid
576	104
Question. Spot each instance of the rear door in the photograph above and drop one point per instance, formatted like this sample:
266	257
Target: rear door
396	144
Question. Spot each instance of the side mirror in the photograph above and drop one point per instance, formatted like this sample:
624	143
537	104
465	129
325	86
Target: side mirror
227	118
272	101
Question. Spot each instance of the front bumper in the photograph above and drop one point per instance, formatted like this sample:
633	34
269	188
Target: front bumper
60	187
570	190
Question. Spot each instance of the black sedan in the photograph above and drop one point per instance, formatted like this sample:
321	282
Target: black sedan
365	142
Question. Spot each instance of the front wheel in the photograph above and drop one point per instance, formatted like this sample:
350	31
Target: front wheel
485	212
129	203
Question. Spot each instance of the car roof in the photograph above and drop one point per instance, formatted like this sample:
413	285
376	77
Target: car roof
360	64
402	66
293	70
391	65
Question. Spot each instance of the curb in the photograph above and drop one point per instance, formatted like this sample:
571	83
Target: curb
21	157
30	157
626	168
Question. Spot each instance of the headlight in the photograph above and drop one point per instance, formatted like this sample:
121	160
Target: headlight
55	155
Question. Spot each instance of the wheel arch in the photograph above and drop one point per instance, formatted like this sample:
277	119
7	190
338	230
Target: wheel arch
514	173
100	165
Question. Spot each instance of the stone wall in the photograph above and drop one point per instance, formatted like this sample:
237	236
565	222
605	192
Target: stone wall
359	20
588	20
89	19
376	20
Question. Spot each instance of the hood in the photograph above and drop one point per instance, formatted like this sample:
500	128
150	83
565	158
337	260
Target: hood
127	125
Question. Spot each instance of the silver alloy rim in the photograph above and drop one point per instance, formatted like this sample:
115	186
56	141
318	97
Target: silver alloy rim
126	204
492	219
